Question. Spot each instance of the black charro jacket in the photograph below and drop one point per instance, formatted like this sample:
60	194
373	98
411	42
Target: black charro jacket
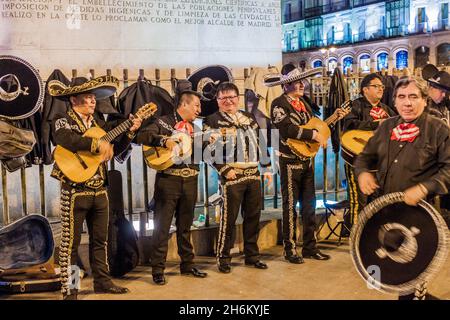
401	165
68	130
242	142
359	117
156	133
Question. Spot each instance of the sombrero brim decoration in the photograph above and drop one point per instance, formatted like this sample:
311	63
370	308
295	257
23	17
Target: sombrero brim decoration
103	87
21	88
276	79
436	78
205	81
396	247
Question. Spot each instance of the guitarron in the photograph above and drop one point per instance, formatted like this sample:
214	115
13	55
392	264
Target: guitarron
82	165
309	148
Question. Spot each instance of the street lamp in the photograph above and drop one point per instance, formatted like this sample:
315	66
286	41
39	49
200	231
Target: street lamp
327	52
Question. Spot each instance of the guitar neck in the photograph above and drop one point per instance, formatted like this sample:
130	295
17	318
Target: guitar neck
117	131
331	121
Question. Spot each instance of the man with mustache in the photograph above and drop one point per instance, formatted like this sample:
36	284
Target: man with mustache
410	152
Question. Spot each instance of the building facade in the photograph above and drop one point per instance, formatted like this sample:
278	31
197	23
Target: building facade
361	35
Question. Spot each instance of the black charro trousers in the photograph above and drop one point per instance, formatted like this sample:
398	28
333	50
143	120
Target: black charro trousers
243	192
174	196
297	185
79	204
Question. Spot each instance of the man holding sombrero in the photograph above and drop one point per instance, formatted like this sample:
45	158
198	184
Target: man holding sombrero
288	112
87	200
411	152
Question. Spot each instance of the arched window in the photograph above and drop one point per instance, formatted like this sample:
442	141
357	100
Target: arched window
443	54
332	64
401	59
317	64
422	57
347	64
382	61
364	63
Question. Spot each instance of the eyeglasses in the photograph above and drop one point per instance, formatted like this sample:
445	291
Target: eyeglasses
377	86
226	98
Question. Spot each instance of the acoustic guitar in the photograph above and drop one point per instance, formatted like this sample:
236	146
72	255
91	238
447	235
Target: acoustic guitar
309	148
82	165
161	158
353	143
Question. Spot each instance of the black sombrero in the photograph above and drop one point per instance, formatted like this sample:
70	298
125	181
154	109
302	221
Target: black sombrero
205	81
21	88
103	87
396	247
436	78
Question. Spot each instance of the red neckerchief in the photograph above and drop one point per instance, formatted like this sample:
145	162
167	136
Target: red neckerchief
378	113
298	105
405	132
184	126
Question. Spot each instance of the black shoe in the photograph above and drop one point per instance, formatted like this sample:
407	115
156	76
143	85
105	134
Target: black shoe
72	296
111	288
224	267
317	256
195	272
258	264
159	279
294	258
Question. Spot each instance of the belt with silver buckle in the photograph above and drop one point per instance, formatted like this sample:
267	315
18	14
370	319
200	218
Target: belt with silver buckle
246	172
184	173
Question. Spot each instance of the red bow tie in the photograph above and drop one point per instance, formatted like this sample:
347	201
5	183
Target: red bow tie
405	132
378	113
184	126
298	105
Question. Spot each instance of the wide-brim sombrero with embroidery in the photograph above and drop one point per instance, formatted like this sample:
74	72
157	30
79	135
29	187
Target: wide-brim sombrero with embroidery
276	79
205	81
21	88
103	87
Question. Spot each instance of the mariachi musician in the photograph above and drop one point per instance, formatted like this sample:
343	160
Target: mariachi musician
410	152
288	112
237	166
175	187
438	90
367	113
87	200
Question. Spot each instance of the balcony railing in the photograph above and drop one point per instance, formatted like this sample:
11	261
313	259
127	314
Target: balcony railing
337	6
294	16
327	8
360	3
396	31
359	37
313	44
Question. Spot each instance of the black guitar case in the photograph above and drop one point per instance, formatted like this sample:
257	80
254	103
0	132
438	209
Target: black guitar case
123	253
